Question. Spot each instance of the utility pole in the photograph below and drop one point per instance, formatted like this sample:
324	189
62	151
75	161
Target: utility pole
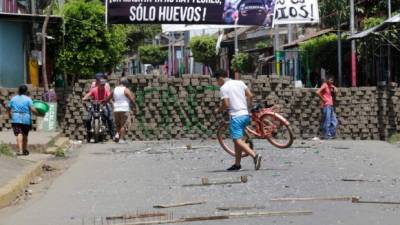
290	33
276	50
236	40
106	12
169	54
236	48
353	47
389	75
339	51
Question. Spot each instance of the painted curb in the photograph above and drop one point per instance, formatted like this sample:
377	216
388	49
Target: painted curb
10	191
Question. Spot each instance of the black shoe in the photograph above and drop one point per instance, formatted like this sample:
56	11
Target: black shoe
25	152
234	168
257	161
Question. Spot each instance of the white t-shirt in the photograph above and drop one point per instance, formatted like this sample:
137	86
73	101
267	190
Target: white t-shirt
234	90
121	102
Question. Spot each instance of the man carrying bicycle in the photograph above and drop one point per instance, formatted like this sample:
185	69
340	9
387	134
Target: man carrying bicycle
236	97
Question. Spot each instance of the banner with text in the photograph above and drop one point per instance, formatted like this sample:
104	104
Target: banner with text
244	12
295	12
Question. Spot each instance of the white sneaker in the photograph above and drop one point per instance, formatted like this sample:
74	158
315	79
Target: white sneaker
116	137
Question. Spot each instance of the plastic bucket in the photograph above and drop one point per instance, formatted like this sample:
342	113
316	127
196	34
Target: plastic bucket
40	106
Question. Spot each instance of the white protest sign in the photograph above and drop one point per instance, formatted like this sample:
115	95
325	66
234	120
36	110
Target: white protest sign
295	12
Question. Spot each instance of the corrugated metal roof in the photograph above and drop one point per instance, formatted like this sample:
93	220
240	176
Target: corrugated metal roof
382	26
28	17
308	37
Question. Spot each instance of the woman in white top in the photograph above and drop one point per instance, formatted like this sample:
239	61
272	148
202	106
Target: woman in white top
122	96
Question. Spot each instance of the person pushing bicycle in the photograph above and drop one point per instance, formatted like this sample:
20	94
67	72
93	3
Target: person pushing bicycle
236	97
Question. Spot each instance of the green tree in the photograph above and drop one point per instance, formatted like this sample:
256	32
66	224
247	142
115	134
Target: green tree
371	22
320	52
242	63
152	54
203	49
261	44
89	46
138	33
332	10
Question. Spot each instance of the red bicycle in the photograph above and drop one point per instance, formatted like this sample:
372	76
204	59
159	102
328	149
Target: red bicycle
266	123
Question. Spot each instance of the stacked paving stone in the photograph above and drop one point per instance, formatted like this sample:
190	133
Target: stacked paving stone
357	110
5	96
74	110
184	107
388	103
168	108
305	116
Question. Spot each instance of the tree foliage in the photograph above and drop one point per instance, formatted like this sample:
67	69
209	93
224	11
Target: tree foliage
320	52
261	44
203	49
242	63
152	54
89	46
138	33
372	21
332	10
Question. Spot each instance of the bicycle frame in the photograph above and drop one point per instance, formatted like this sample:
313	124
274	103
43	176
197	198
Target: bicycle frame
256	117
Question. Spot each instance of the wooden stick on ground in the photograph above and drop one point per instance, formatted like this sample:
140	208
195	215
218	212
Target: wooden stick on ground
233	208
223	217
359	180
179	204
137	216
270	213
205	181
356	200
190	147
344	198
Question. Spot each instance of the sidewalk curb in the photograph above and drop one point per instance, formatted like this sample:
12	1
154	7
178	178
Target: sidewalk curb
41	148
10	191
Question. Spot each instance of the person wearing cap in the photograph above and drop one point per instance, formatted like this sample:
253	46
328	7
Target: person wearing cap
96	83
100	94
121	97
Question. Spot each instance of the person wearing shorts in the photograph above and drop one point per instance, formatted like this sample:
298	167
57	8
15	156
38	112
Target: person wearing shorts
20	109
121	97
236	97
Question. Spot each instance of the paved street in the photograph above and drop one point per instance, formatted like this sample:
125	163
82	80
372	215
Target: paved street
114	179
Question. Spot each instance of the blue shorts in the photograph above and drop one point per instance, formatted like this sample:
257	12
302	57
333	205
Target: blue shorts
238	125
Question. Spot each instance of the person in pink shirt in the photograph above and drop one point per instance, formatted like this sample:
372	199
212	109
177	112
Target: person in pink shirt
99	94
329	121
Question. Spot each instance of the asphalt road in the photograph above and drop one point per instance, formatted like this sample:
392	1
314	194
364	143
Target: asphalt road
115	179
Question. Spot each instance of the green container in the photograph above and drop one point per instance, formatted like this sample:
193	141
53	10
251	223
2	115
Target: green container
40	106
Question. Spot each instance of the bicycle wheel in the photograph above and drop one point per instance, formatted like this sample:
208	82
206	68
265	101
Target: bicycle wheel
276	131
224	139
